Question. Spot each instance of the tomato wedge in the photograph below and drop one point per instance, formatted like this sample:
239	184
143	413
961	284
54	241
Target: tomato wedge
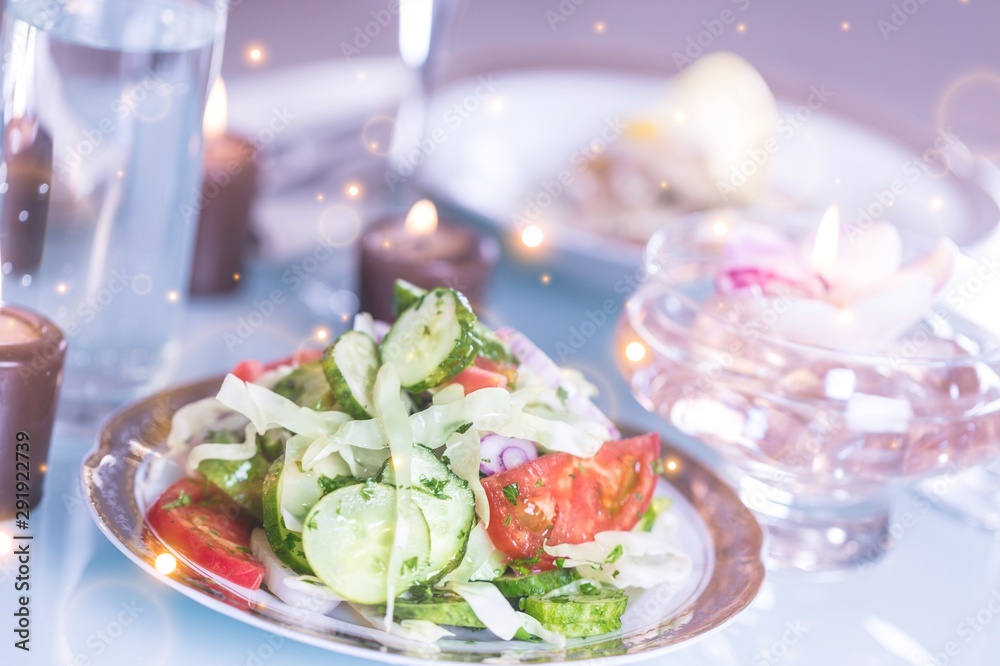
208	530
473	379
251	369
560	498
508	370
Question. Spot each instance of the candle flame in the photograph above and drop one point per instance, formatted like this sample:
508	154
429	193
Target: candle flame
422	220
824	252
216	110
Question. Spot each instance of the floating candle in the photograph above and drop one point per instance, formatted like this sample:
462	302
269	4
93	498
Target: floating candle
843	292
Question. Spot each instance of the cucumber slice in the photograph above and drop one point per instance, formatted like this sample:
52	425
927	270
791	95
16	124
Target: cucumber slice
348	540
300	489
350	365
286	544
432	341
405	294
591	612
440	608
307	386
448	505
513	585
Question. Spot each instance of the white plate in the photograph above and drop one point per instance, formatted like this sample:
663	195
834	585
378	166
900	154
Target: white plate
494	159
127	470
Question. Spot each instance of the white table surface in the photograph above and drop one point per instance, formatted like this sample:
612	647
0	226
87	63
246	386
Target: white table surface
936	593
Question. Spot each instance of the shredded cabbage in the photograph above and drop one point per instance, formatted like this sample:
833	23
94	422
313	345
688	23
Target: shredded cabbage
266	409
626	559
392	416
462	451
488	409
302	592
228	451
482	561
196	418
420	631
494	611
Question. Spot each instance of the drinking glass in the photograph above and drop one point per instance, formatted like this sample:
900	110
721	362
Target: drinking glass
103	105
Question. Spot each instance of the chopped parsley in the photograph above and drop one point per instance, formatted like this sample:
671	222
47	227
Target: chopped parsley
563	394
464	428
523	566
560	562
615	554
656	506
328	485
511	493
182	500
368	490
539	483
435	487
506	521
409	565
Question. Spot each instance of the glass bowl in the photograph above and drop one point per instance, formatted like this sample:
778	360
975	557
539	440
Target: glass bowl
816	439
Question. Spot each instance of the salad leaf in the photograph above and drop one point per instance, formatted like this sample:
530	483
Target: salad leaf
494	611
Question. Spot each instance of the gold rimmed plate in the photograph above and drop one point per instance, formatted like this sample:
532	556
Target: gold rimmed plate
129	467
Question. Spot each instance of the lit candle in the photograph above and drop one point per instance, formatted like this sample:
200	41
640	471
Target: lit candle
32	350
227	194
427	251
25	187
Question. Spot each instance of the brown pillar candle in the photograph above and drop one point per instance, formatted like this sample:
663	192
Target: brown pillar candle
226	196
25	186
32	350
427	252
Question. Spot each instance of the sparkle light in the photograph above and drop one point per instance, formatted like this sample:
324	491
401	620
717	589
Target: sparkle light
679	116
321	334
664	184
353	190
497	105
256	54
720	228
172	296
845	26
937	203
846	316
43	468
320	197
545	278
599	27
165	563
672	465
5	543
362	76
635	351
236	277
742	27
532	235
62	287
